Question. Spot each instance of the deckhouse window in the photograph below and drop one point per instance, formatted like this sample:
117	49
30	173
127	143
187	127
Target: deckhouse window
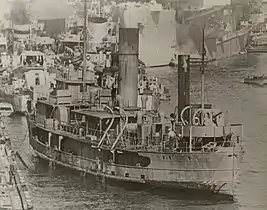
37	80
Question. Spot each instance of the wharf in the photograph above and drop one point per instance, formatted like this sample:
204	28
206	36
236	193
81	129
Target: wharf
14	193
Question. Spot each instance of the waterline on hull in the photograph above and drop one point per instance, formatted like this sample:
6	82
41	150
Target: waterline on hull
192	187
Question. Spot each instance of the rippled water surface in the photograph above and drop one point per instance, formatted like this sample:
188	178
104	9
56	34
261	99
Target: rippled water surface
63	189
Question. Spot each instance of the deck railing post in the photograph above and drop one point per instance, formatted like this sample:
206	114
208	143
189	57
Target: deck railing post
60	142
54	124
49	139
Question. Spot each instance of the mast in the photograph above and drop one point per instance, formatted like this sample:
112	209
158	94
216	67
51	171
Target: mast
84	50
183	84
29	11
202	69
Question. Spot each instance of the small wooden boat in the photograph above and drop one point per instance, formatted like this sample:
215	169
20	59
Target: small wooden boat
6	109
256	80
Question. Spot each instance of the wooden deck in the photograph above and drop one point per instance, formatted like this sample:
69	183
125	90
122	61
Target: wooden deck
13	191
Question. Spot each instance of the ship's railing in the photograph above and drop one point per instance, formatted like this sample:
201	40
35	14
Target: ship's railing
236	130
233	136
155	143
75	75
230	136
212	131
76	129
89	97
67	76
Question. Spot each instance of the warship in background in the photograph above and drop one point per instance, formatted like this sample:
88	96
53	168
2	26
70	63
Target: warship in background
182	22
26	73
258	38
226	28
103	45
29	81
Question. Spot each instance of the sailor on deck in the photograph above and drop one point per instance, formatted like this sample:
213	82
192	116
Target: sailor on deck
171	138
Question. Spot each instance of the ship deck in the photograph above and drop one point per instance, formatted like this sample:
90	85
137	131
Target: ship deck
11	195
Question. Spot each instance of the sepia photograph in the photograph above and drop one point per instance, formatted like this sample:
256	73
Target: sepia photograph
133	104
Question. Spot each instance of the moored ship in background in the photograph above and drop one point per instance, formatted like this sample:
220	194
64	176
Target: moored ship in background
26	72
258	39
227	29
29	81
226	26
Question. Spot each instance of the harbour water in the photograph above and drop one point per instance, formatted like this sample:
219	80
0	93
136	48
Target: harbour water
62	189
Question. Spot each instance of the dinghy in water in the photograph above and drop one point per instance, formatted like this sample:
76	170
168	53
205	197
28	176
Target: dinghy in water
256	80
6	109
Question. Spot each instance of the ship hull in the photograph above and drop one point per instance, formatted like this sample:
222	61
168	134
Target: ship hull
161	36
167	186
19	102
257	50
231	45
261	82
211	172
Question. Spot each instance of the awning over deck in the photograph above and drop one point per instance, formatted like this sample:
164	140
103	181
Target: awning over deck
95	114
100	114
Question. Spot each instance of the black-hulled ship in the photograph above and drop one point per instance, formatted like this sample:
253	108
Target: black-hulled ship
128	139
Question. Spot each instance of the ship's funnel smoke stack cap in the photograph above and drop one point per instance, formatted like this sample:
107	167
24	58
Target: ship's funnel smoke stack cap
128	65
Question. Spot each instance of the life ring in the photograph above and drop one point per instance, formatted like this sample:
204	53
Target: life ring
182	115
